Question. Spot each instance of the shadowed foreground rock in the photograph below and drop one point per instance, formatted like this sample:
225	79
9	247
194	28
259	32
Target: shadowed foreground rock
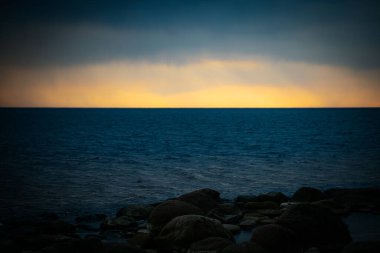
359	200
184	230
205	199
278	197
168	210
122	222
277	239
135	211
333	206
307	194
316	227
246	247
214	244
121	248
200	222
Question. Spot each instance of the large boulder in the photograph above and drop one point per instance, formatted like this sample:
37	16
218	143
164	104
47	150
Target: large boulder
261	205
241	199
246	247
316	226
122	223
277	239
142	239
184	230
205	199
334	206
210	192
226	213
307	194
234	229
137	211
362	199
168	210
272	196
214	244
229	209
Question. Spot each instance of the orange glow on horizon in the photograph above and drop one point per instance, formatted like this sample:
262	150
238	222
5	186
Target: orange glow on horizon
208	83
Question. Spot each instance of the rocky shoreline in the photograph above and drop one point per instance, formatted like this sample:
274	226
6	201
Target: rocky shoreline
201	222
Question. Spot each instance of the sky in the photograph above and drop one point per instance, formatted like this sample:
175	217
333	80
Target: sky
310	53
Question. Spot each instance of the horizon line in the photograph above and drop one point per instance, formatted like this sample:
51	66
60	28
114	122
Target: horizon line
79	107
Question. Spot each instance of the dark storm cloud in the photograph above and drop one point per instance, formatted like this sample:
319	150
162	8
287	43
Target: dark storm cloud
345	33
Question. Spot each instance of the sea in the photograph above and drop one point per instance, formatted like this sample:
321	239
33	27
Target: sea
76	161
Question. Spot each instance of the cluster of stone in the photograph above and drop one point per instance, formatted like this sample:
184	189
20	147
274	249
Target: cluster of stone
310	221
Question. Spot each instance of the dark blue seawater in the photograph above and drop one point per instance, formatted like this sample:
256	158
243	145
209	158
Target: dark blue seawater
96	160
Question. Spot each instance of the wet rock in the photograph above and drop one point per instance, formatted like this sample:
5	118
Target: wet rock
261	205
89	223
316	226
184	230
234	229
277	239
204	199
266	221
228	208
333	206
143	240
216	213
168	210
210	192
270	212
245	198
249	222
91	218
143	231
255	215
287	204
232	219
138	212
359	200
277	197
122	222
362	247
226	213
142	224
247	247
210	244
307	194
252	219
